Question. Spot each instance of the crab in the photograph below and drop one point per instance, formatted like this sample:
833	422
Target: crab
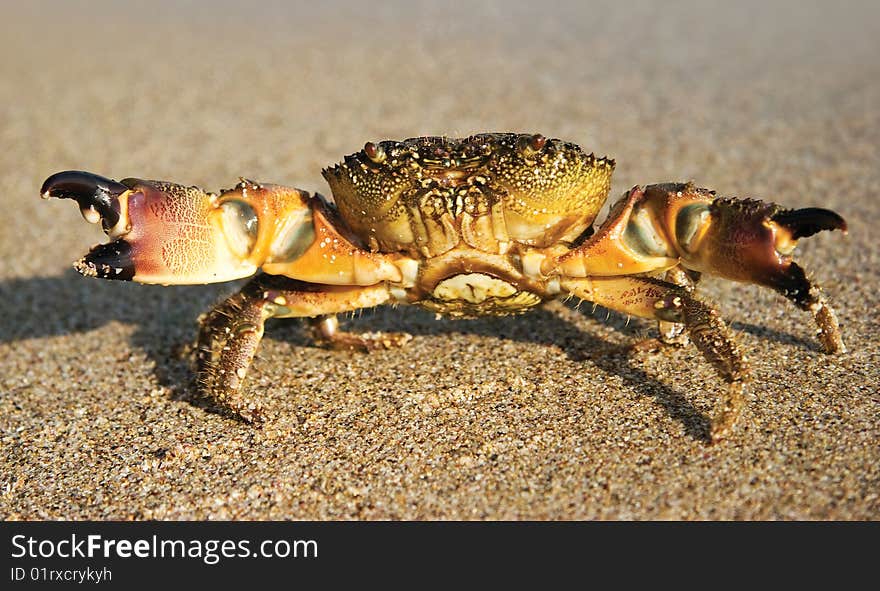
493	224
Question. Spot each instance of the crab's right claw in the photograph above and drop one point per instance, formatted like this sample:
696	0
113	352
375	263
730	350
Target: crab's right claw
167	233
750	240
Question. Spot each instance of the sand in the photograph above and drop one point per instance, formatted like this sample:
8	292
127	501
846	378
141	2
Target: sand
544	416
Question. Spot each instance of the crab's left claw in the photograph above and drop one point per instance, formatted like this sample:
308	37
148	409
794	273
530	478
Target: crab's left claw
98	197
801	223
678	226
167	233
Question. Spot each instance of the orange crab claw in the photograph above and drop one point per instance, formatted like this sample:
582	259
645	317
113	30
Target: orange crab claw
167	233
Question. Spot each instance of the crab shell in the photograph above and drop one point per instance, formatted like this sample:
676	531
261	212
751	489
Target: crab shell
425	196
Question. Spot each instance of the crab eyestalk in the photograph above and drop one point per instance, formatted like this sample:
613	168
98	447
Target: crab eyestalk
166	233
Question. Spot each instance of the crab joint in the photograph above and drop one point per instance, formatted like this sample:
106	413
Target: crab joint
670	308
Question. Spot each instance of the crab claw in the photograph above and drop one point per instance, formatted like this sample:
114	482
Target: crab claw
802	223
748	240
167	233
98	197
163	232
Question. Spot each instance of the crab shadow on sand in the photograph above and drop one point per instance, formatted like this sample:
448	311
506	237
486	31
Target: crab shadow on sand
165	323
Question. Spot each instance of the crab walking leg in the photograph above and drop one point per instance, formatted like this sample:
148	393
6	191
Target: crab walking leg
230	333
672	334
806	294
659	300
325	331
675	333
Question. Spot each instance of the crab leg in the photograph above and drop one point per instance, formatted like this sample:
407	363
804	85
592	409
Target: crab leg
675	333
676	225
230	333
666	302
325	331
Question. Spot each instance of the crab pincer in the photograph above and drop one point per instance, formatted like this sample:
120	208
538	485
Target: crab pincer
752	241
97	196
168	233
99	201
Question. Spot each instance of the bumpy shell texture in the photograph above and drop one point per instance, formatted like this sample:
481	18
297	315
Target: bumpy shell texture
424	195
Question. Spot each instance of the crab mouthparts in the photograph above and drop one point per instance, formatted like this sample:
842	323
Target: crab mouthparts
97	196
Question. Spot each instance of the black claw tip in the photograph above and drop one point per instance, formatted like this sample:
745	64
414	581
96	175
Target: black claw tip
808	221
792	282
108	261
94	194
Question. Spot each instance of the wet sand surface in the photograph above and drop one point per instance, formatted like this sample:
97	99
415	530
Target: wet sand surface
544	416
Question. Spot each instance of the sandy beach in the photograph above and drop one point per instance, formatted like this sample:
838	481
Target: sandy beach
544	416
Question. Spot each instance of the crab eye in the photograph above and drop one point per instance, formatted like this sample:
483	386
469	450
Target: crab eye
239	226
374	152
529	145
